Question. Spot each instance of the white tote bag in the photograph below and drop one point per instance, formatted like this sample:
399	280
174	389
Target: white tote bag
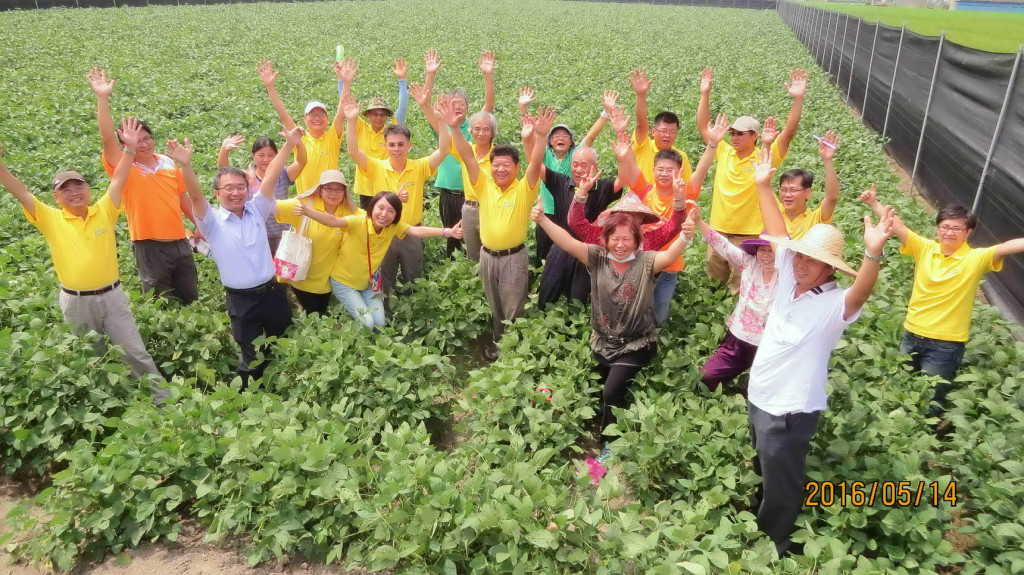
294	253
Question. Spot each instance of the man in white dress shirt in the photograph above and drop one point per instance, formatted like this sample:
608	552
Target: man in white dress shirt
237	233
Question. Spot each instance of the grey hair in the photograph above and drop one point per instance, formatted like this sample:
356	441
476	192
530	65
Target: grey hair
459	93
481	115
585	149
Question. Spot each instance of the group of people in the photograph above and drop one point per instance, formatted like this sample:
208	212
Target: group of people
616	242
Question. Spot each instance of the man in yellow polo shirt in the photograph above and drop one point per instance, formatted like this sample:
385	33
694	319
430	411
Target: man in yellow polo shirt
735	212
505	204
795	190
946	277
321	139
649	139
403	176
83	246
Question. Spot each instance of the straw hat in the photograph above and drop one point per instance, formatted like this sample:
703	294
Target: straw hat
378	103
823	243
630	203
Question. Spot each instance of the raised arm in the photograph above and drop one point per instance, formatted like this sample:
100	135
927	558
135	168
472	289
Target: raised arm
466	154
715	133
422	97
346	72
797	88
182	153
295	168
17	188
351	110
269	78
527	97
1008	248
629	170
431	64
403	90
103	87
230	143
707	78
723	246
291	139
638	78
562	238
130	132
827	150
870	198
487	67
675	249
545	119
874	241
435	158
774	224
608	101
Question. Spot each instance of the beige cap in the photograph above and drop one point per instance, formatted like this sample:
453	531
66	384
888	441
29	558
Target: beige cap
378	103
60	178
746	124
327	177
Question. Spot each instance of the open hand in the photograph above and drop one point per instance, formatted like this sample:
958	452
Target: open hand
232	142
293	136
620	121
100	83
769	132
797	85
267	74
432	61
526	97
718	129
346	70
763	169
130	134
545	119
350	107
638	78
399	68
609	100
180	152
875	235
707	78
487	62
622	145
419	94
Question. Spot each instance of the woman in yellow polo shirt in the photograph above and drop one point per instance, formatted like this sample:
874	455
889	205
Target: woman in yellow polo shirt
330	196
354	278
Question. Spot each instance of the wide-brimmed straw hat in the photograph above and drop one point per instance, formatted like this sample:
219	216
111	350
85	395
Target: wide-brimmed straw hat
823	243
378	103
327	177
632	204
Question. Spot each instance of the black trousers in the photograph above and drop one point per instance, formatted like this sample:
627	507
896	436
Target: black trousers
563	275
781	443
312	302
256	312
616	376
167	268
449	203
544	244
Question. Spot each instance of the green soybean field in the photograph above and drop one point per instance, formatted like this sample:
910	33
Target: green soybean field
402	450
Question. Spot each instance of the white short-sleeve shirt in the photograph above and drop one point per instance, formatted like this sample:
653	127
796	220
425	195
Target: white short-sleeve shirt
239	244
791	366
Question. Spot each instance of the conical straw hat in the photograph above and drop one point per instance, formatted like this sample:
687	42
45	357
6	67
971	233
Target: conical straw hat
823	243
632	204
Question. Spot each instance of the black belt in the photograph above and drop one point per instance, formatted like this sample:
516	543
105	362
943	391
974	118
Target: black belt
260	289
102	290
452	192
473	204
624	340
508	252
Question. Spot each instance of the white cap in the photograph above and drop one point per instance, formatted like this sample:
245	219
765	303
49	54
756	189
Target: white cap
313	105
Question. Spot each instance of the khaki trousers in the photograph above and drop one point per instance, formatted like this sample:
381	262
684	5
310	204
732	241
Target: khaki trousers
720	269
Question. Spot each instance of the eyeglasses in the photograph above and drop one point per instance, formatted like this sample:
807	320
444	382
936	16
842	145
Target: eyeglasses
742	132
235	188
954	229
666	132
786	190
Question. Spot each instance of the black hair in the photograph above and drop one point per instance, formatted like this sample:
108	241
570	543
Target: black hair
505	150
263	142
389	197
228	171
666	118
669	154
806	176
396	129
957	212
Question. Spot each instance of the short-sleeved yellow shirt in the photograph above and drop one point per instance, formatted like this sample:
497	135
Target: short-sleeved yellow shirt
84	251
354	264
373	145
321	154
504	215
944	287
799	225
383	178
326	241
485	166
645	151
734	202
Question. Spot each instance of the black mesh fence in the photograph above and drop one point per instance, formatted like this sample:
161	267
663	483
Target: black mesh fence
34	4
952	116
753	4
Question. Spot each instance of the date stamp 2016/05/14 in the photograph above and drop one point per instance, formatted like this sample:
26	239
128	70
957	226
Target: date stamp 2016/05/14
886	493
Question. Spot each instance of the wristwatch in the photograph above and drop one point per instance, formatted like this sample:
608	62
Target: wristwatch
877	258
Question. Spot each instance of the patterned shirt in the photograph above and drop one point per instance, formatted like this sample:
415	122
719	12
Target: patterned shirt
622	305
755	296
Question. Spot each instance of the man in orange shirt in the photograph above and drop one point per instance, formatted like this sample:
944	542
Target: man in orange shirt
154	201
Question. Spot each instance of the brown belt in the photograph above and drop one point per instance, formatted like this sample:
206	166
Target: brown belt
472	204
508	252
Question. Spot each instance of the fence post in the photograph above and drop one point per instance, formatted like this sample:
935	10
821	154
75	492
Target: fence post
853	62
818	48
892	85
871	61
927	108
842	50
832	52
999	128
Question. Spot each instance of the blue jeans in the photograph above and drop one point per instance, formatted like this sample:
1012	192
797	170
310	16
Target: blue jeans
934	357
663	292
364	305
